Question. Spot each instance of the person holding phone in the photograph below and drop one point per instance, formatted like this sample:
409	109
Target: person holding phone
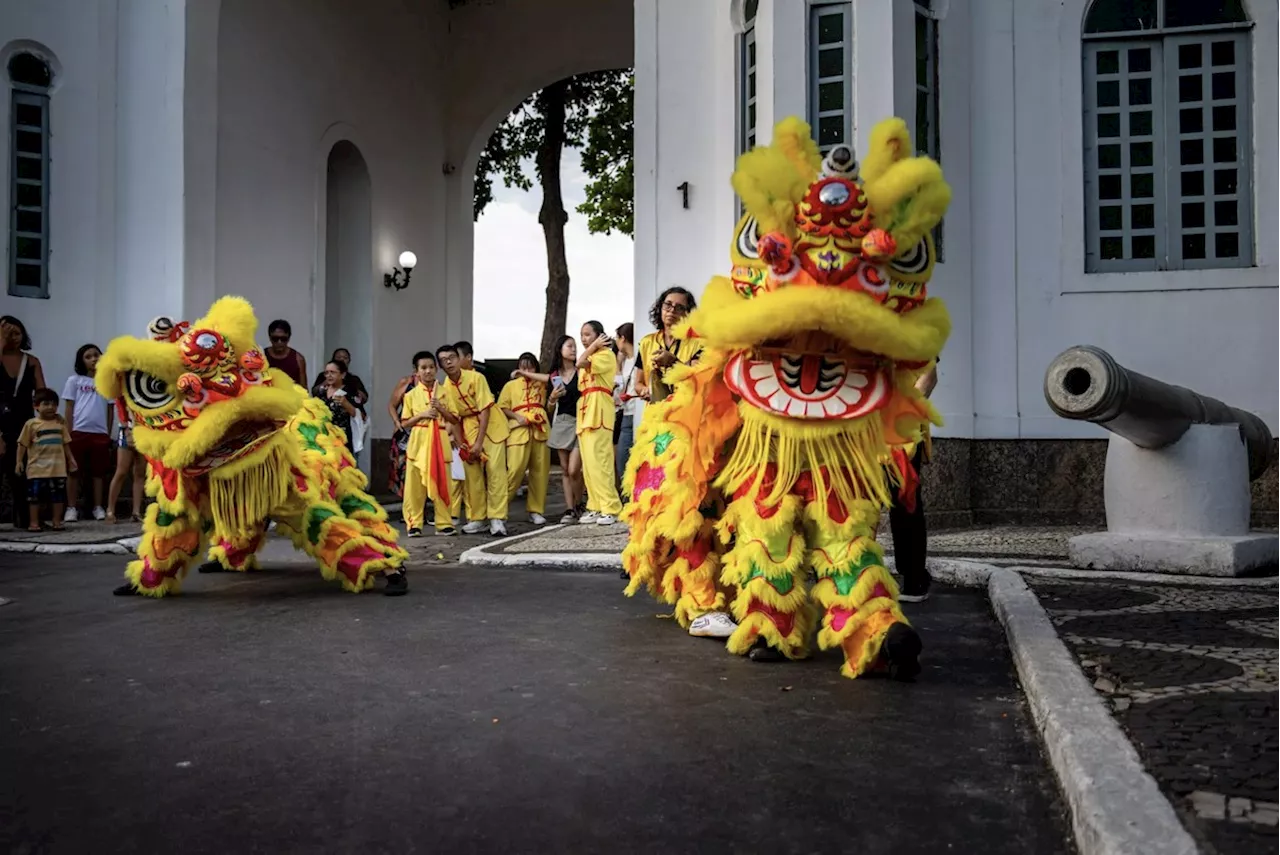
563	437
597	367
660	350
331	391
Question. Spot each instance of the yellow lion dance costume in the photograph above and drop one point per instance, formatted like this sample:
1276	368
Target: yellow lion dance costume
768	460
230	443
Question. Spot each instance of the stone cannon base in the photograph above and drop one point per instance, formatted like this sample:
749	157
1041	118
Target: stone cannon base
1181	509
1252	554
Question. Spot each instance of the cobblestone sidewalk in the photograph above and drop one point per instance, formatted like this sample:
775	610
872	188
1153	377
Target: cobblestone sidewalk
1191	675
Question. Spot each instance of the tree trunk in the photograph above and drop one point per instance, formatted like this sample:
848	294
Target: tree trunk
553	218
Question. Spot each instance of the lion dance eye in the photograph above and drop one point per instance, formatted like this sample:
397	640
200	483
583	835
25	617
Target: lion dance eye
147	391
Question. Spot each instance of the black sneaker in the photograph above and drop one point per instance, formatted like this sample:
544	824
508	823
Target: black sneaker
126	590
397	585
212	567
915	590
447	531
900	651
415	532
761	651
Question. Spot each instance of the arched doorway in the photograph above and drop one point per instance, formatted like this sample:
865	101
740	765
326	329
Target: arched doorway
348	260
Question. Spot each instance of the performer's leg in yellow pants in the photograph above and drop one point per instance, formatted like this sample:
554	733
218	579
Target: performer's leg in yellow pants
597	470
415	496
535	458
495	476
858	597
457	492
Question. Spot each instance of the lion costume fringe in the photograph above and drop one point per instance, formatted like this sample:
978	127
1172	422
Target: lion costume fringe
230	443
772	458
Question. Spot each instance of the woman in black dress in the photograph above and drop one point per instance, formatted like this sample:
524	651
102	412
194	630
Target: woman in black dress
333	392
22	375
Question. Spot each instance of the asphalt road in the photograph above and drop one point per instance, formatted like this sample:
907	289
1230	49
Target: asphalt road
488	711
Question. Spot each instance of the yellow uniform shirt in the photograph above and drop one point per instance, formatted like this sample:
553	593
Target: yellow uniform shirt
528	398
425	435
595	388
468	398
685	351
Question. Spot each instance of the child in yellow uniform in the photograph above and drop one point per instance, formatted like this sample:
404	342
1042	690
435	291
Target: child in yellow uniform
469	404
428	453
523	401
597	368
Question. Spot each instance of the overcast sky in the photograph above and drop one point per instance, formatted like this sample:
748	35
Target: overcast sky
511	269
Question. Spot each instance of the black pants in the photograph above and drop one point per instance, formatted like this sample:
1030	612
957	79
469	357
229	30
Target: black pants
17	484
910	537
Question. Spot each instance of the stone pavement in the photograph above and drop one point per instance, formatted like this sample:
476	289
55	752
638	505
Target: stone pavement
490	710
1191	675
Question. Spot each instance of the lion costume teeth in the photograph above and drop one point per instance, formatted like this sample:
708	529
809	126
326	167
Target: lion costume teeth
230	443
768	461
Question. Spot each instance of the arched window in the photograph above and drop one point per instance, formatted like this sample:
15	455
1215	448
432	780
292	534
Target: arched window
747	77
1167	115
29	78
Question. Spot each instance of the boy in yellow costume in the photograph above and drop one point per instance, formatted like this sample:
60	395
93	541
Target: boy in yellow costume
468	402
597	368
766	461
428	454
523	402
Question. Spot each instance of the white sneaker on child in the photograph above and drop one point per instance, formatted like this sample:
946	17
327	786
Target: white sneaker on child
99	514
589	518
72	515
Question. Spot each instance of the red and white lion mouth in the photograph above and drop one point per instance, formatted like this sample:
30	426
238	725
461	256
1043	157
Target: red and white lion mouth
808	385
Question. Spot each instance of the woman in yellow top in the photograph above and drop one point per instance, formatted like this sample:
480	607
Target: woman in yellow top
660	350
523	401
597	368
428	453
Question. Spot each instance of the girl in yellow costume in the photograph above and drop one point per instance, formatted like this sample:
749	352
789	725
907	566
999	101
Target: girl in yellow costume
524	402
597	368
766	461
230	443
428	454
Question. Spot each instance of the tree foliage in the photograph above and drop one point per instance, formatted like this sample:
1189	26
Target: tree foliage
598	120
592	112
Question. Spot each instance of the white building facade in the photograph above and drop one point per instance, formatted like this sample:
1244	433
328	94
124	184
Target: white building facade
1113	165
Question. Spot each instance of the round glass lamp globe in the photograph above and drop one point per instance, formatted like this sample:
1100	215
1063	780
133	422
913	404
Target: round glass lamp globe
408	260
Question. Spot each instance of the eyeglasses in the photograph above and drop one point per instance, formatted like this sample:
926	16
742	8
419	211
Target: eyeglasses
678	308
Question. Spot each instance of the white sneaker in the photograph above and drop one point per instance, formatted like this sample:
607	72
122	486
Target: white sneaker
99	514
72	515
497	528
537	519
606	519
473	527
712	625
588	518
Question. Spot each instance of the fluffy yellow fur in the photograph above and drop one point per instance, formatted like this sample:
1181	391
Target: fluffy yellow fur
727	321
908	200
890	142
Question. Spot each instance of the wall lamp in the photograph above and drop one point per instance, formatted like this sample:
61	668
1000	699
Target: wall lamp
398	278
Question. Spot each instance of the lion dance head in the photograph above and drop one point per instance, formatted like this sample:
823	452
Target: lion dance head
200	394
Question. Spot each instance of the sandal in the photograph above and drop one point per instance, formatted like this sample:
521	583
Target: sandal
34	529
135	518
110	519
58	527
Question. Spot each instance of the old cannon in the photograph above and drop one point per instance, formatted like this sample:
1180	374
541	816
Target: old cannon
1178	469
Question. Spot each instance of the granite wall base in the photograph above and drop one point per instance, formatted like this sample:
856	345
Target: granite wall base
1036	482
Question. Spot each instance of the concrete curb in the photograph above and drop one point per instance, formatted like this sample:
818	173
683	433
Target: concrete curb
1116	806
113	547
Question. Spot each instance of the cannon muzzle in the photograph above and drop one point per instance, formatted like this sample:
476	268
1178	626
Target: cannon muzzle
1084	383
